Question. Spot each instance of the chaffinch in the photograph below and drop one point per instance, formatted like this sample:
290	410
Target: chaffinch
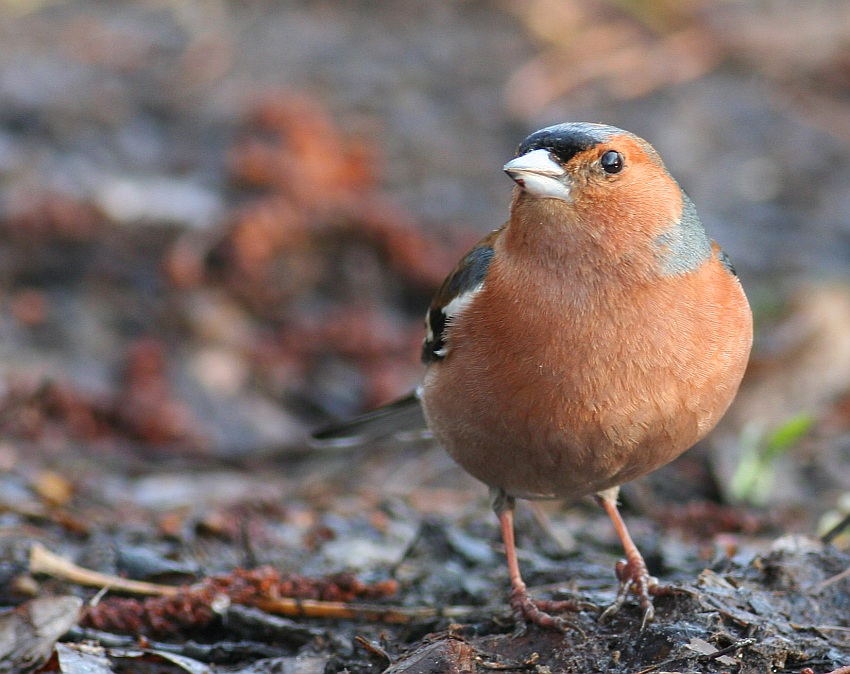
591	339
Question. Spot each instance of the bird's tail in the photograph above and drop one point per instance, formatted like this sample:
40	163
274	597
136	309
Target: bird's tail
402	417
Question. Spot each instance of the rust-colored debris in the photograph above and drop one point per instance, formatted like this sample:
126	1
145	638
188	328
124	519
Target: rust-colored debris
143	409
195	606
315	196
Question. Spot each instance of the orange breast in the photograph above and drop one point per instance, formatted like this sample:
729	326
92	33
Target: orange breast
569	388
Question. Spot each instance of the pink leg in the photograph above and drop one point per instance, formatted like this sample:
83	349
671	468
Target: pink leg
631	572
524	608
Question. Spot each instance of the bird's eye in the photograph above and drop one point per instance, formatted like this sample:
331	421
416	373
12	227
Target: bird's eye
612	162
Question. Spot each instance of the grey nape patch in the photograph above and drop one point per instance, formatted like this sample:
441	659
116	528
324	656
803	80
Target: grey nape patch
685	246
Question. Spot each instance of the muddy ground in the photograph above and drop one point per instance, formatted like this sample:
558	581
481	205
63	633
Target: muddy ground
220	224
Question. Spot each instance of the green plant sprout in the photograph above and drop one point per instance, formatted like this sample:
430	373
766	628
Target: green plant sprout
760	449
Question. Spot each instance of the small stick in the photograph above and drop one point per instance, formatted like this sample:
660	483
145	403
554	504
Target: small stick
44	561
834	532
335	610
373	648
731	648
820	587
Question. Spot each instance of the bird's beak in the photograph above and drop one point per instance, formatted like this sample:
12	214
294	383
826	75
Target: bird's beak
539	175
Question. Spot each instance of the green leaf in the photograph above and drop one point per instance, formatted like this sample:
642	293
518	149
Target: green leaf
787	435
753	477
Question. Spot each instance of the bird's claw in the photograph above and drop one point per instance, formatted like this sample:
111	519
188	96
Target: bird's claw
526	610
635	579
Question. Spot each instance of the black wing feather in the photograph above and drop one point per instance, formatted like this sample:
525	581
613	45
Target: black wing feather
468	275
402	416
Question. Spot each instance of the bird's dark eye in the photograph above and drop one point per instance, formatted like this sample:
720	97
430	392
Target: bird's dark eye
612	162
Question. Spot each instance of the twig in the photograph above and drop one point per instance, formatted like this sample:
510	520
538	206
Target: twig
731	648
44	561
373	648
820	587
835	531
335	610
736	646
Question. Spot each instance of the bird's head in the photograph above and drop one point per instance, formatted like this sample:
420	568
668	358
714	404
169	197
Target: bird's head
596	183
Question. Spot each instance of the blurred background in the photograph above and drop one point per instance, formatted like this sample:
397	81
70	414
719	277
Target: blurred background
221	222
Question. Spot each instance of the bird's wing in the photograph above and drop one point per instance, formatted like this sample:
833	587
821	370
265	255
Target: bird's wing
454	295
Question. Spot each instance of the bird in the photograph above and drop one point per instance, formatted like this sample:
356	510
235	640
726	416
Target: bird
593	338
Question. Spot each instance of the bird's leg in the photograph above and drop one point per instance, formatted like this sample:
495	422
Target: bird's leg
524	608
631	572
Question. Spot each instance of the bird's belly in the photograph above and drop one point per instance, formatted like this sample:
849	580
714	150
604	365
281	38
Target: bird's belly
566	434
523	452
576	406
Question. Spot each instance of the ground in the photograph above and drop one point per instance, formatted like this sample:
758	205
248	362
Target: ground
220	225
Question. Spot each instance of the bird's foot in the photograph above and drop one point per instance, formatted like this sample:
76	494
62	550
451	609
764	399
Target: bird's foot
635	579
539	611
